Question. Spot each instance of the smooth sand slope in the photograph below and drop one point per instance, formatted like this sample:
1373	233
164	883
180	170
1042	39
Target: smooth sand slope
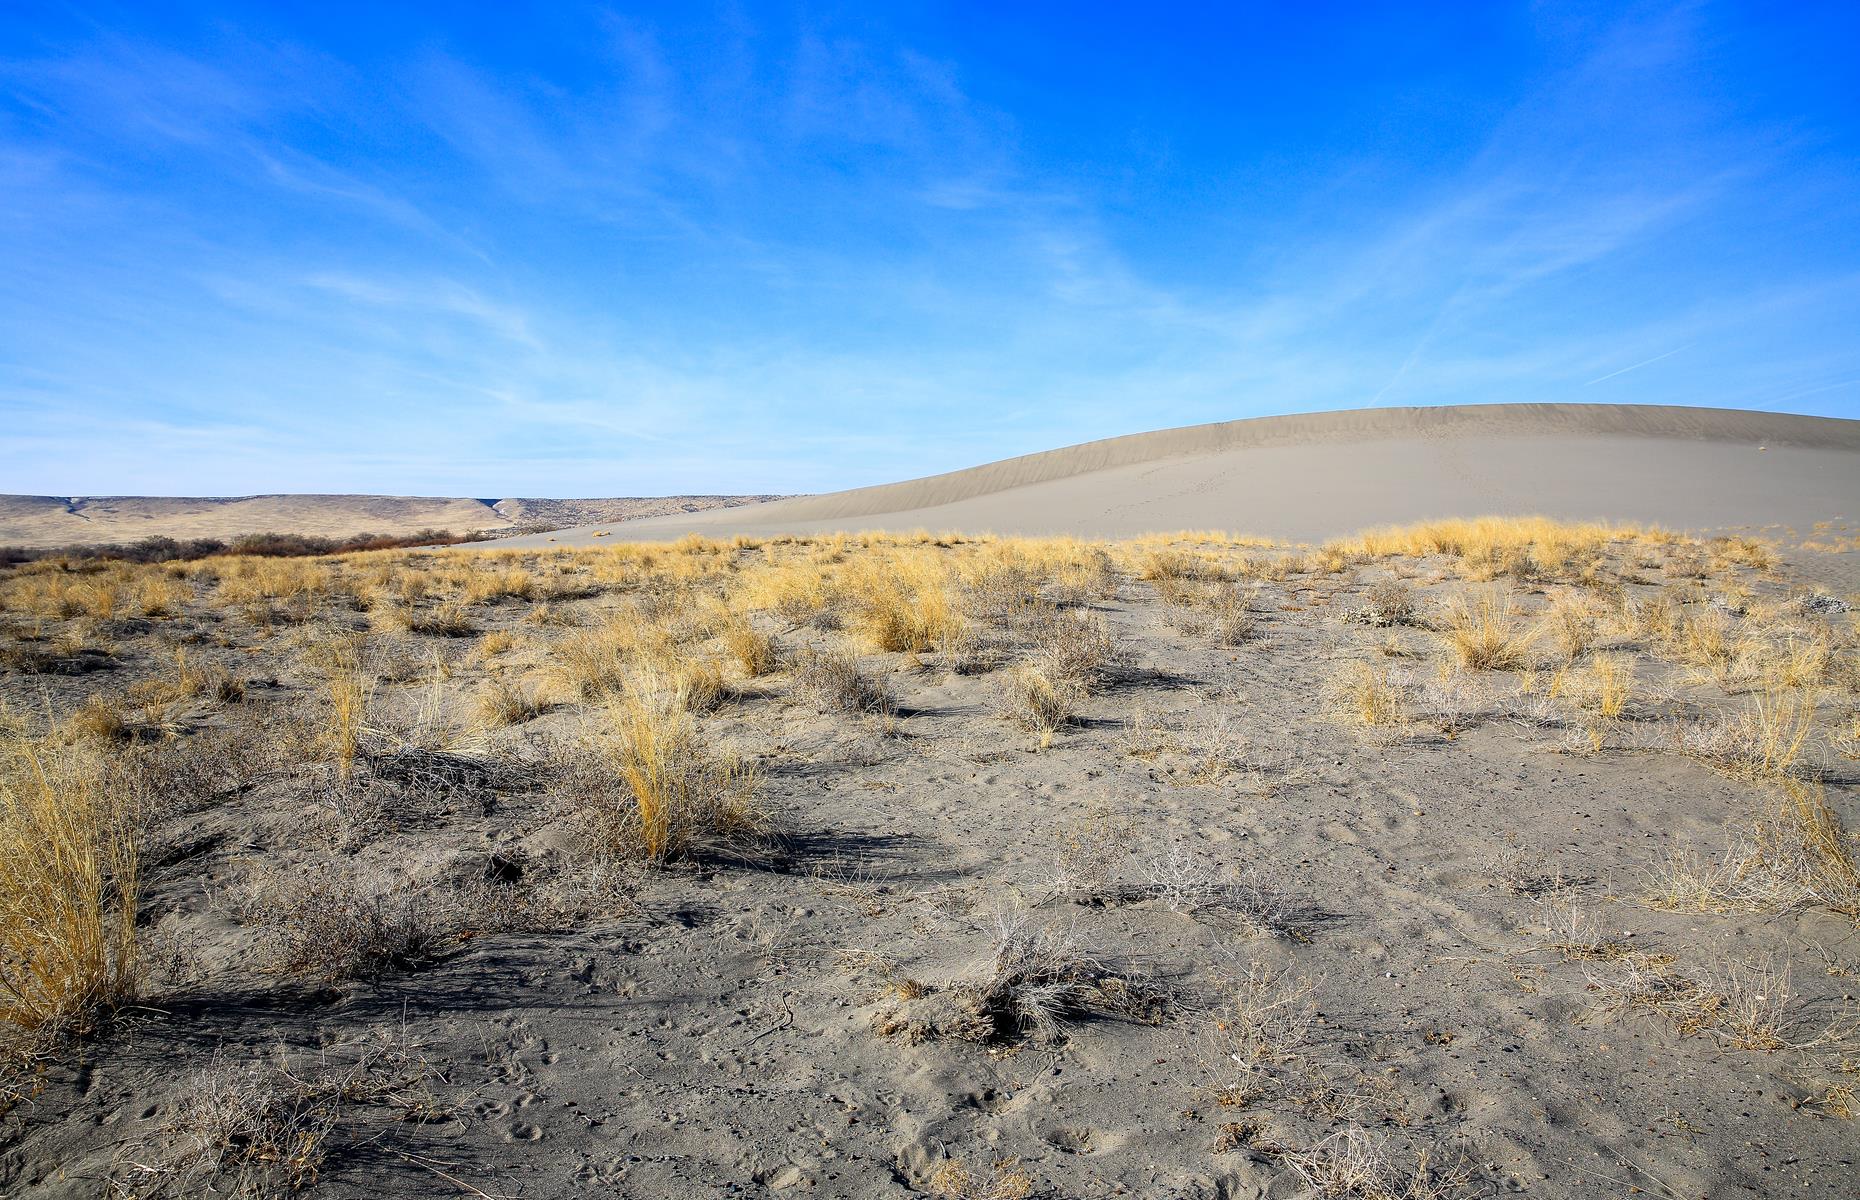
1322	474
47	521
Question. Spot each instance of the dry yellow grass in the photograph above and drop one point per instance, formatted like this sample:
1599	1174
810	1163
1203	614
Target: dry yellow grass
1609	686
1570	623
596	660
1763	741
1804	820
504	701
1486	632
753	650
1701	639
1372	695
1487	546
161	595
68	858
99	719
348	686
904	603
490	585
953	1181
681	789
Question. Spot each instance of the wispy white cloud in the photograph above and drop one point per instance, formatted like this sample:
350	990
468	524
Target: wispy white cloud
807	263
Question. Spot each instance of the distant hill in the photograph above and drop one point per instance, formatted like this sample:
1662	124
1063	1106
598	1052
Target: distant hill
39	522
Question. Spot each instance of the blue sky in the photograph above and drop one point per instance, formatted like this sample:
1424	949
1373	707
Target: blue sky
577	250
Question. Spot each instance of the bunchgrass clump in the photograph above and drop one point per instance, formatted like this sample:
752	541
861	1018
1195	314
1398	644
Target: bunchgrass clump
1372	695
68	872
680	793
1486	633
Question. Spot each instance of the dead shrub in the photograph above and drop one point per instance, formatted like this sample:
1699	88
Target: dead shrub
1035	701
1075	651
267	1128
834	681
1039	980
335	928
1387	602
1194	883
1000	590
1355	1164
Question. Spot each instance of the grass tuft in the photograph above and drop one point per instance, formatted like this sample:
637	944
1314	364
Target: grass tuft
68	864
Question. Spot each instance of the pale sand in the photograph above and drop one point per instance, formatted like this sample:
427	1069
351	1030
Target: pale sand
746	1029
1323	474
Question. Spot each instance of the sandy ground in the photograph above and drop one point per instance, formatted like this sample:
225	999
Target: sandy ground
745	1027
52	521
1327	474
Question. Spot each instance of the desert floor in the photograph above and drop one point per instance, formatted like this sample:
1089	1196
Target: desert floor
1463	860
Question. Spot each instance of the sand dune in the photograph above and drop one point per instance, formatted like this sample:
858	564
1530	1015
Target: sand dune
42	521
1321	474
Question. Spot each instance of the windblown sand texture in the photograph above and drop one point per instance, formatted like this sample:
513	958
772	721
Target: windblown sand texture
1324	474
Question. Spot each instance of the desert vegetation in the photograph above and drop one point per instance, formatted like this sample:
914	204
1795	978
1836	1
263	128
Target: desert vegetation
994	867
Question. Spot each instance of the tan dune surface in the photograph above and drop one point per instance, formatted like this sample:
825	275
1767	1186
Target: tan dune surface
1321	474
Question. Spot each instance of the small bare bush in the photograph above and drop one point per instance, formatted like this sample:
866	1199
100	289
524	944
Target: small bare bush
267	1128
1763	741
1190	882
1449	699
834	680
1267	1020
252	1131
1086	864
971	650
335	928
1075	651
1354	1164
1523	872
1043	976
1038	980
1035	701
1747	1005
1387	602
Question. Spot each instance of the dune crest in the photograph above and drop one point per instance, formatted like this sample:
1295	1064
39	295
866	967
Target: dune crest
1322	474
